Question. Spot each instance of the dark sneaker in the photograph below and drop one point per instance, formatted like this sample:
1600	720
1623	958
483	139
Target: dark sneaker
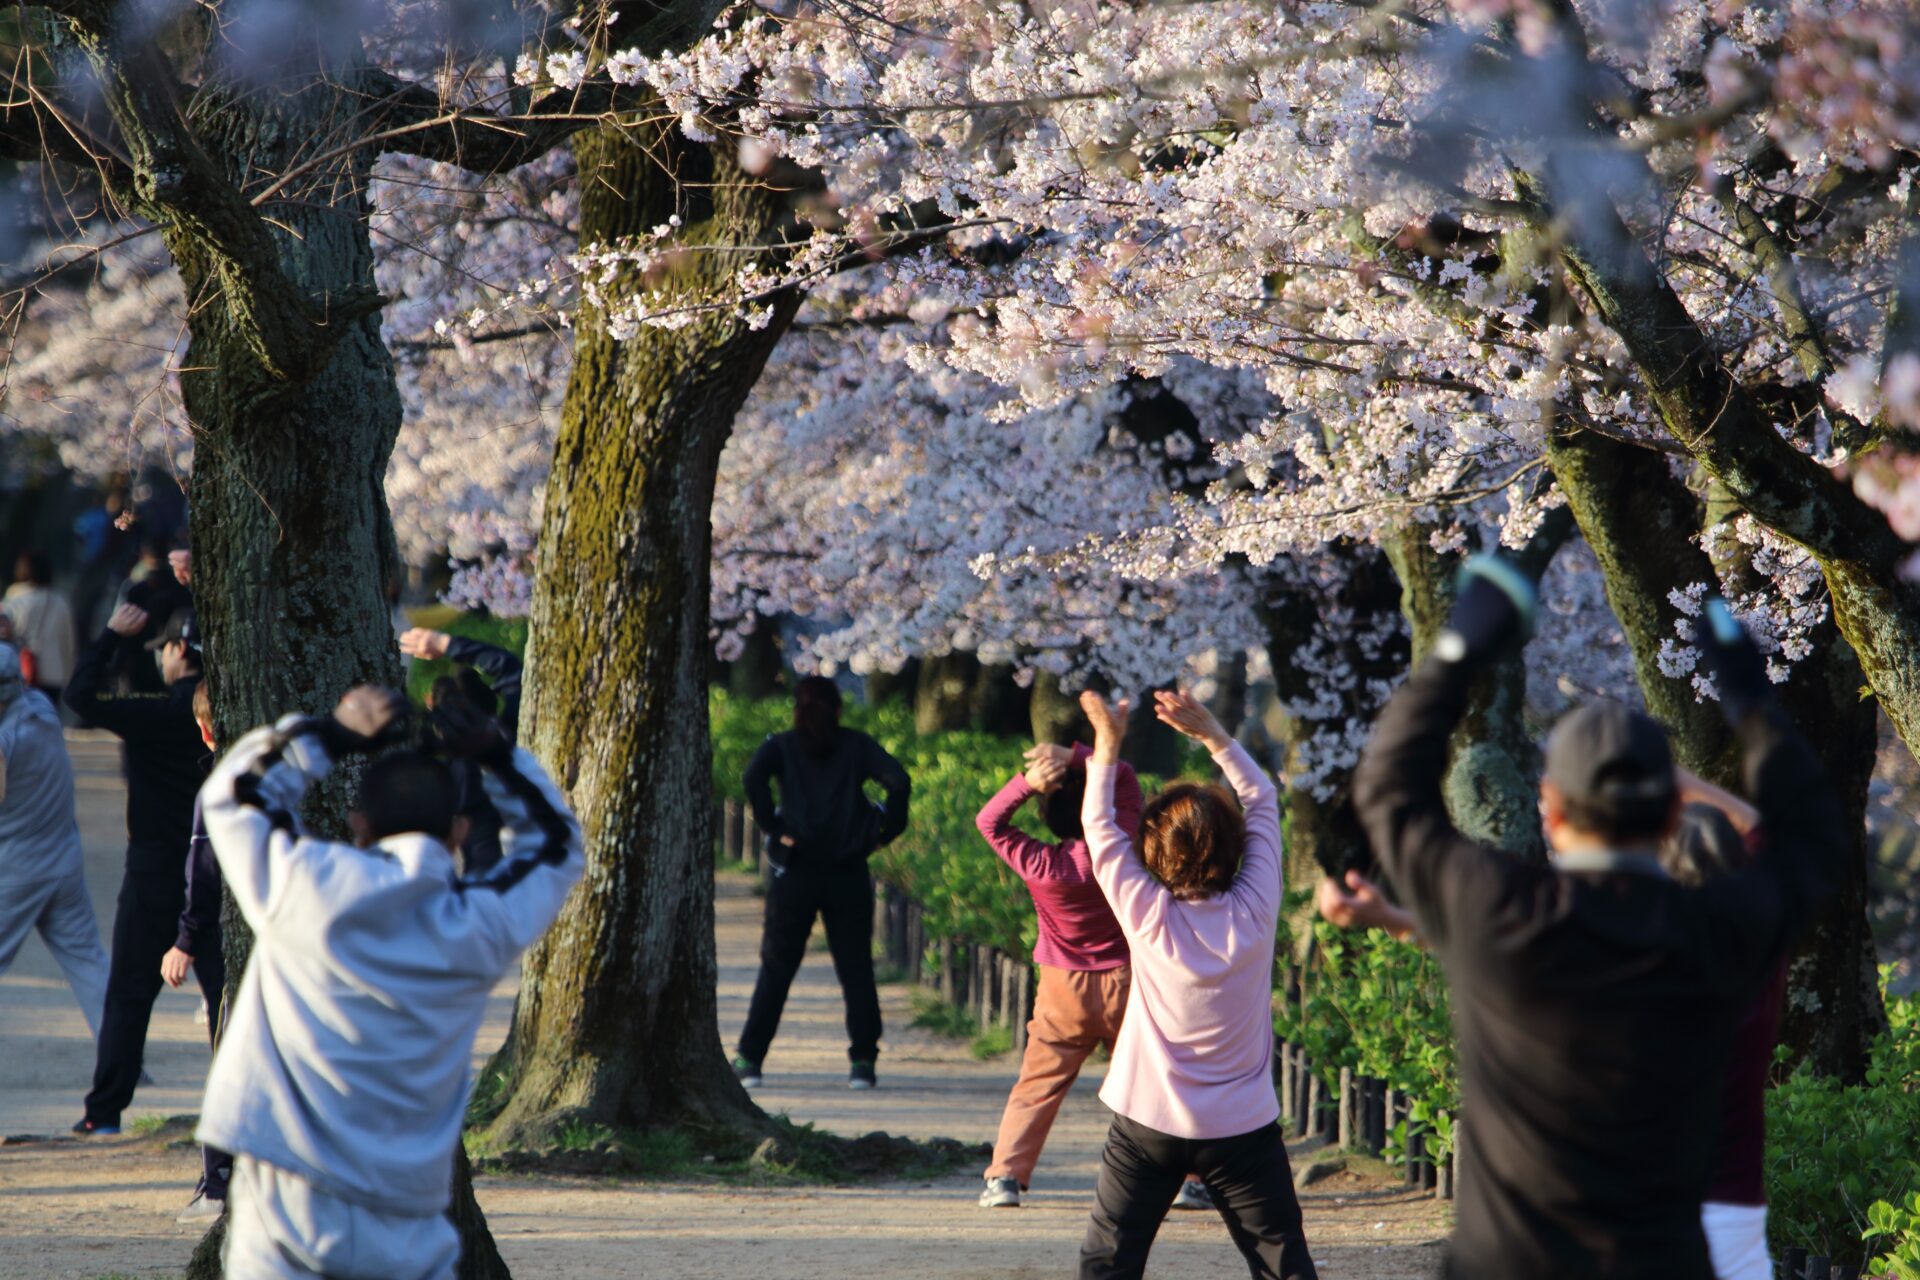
1193	1196
860	1076
94	1129
1001	1193
747	1073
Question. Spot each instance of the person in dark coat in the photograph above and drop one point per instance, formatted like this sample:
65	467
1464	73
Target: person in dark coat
819	838
165	762
1594	998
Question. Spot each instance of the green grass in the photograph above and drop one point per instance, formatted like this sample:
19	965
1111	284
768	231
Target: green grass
991	1043
931	1013
147	1126
886	973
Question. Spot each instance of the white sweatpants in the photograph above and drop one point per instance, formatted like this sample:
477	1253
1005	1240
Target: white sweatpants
63	914
280	1228
1737	1240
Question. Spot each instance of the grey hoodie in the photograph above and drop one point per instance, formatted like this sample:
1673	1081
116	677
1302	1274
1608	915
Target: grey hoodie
347	1059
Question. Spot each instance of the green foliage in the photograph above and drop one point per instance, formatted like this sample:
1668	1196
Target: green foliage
1379	1007
992	1043
507	633
931	1013
148	1125
1842	1160
1895	1228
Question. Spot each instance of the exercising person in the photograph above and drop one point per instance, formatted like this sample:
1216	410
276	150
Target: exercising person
341	1081
1594	999
818	841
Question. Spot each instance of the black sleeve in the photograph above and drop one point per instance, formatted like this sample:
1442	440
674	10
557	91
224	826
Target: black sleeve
124	714
501	667
1398	792
200	922
1760	911
759	778
892	777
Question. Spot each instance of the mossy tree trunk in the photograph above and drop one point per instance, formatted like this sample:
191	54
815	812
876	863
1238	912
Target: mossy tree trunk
1493	776
617	1021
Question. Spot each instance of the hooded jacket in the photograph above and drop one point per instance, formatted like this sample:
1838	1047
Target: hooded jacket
347	1057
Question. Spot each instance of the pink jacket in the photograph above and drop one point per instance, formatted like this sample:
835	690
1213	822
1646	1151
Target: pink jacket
1195	1054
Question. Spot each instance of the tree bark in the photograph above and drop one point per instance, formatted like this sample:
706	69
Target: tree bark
294	555
617	1021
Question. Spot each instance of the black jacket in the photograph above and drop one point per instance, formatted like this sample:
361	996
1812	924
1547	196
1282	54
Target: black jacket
164	759
823	803
1593	1008
481	850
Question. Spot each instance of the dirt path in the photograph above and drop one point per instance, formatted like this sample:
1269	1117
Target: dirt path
105	1207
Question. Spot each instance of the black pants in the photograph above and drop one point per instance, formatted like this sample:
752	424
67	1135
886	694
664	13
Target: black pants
1248	1174
145	923
843	898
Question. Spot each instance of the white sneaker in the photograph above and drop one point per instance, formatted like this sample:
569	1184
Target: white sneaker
200	1211
1001	1193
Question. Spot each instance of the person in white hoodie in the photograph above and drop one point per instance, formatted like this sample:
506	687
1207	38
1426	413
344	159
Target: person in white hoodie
43	883
341	1082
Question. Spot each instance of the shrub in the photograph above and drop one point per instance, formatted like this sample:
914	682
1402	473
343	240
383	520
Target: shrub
1841	1160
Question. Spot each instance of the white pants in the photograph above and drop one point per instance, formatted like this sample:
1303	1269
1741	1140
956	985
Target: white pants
280	1228
63	914
1737	1240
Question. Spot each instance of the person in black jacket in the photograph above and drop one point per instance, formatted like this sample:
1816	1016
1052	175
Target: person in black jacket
165	762
818	842
198	949
1594	999
497	695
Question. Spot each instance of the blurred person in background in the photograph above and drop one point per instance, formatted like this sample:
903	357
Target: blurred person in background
42	623
43	886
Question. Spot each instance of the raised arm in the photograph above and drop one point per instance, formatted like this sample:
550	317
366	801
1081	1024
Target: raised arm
86	687
1258	883
892	777
503	669
249	803
1026	855
1128	802
1802	842
1139	901
1397	788
545	855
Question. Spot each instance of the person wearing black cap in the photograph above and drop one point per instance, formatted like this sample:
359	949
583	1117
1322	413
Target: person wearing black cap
1594	999
165	762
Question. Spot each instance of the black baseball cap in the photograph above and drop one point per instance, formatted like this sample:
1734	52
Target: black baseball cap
1614	765
178	626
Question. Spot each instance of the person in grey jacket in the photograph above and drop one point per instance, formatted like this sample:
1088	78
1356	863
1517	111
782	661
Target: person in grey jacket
43	884
341	1081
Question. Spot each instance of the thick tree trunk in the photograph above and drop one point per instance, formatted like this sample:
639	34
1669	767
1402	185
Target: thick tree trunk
294	553
617	1022
1492	783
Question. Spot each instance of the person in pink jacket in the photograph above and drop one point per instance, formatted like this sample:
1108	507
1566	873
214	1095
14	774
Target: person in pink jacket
1080	952
1191	1085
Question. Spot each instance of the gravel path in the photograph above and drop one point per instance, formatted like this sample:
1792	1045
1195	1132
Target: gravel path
105	1207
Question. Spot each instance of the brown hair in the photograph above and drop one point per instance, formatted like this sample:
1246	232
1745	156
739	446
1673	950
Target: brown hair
202	703
1191	838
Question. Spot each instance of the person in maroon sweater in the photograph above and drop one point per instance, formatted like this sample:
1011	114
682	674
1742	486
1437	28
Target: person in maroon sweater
1717	835
1081	954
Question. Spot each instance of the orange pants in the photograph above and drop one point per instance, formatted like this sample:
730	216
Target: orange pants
1073	1012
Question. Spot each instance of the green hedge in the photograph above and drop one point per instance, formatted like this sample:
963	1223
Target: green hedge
1843	1161
941	862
